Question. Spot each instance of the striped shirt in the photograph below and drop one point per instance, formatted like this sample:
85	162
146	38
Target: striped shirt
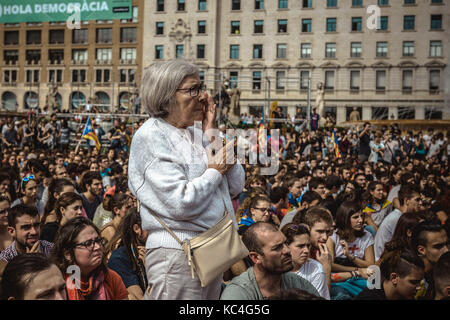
9	253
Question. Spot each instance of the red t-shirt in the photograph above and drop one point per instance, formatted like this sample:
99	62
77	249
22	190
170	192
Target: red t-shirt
114	285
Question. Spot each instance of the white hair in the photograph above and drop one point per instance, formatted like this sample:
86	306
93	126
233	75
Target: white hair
160	83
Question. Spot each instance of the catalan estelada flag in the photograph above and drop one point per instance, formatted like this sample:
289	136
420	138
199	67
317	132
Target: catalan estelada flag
89	133
337	152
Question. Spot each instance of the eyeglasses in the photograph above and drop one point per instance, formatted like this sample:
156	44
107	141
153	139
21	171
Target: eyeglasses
89	244
263	209
194	91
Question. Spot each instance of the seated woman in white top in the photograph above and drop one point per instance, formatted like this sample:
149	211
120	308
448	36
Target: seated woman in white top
297	238
351	249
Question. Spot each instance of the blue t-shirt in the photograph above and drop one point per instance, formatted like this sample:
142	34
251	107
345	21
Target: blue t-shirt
120	263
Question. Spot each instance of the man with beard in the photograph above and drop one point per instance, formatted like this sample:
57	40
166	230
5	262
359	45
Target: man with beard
92	197
24	228
272	262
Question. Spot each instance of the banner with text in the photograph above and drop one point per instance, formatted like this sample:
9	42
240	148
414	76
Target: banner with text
16	11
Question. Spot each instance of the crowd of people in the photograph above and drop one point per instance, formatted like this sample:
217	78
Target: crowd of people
348	207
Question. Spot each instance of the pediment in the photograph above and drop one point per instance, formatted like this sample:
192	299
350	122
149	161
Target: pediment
304	65
330	65
408	64
381	65
435	64
355	64
202	65
233	65
256	65
280	65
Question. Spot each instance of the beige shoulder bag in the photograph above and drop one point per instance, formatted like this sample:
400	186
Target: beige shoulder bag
213	251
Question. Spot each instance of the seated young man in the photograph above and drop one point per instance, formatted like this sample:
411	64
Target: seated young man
441	274
272	262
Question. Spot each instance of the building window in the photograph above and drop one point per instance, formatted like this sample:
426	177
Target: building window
408	48
128	54
406	112
56	36
159	27
331	25
408	22
433	113
436	1
11	37
306	50
79	75
257	51
383	23
200	51
160	5
410	1
235	4
80	36
307	4
179	51
55	75
128	35
306	25
202	5
354	80
382	49
32	76
383	2
33	56
436	48
281	51
330	50
280	80
10	76
181	5
34	37
234	51
201	75
56	56
381	80
329	80
282	4
331	3
104	75
234	79
282	26
435	79
436	21
357	3
407	80
304	80
356	24
235	27
158	52
256	83
104	35
104	54
355	49
79	55
258	26
201	26
259	4
10	56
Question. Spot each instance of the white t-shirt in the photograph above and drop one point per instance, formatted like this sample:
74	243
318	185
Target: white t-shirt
313	272
357	247
393	193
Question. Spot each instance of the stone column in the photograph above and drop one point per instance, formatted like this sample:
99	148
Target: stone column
366	113
341	114
420	112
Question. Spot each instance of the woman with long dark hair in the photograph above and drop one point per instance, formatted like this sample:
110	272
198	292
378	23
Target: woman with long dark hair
78	243
56	188
351	248
128	259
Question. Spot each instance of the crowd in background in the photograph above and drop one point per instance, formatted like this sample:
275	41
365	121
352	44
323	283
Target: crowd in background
366	196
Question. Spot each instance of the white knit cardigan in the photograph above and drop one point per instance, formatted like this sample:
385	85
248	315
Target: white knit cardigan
168	172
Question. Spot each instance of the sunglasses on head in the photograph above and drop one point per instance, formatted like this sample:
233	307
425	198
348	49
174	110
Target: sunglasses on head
26	179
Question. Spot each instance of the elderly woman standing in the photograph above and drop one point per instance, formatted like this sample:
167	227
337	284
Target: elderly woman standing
171	174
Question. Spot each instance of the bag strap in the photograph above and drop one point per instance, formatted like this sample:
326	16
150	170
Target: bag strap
161	222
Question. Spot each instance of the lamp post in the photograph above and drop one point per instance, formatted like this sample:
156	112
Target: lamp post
308	109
